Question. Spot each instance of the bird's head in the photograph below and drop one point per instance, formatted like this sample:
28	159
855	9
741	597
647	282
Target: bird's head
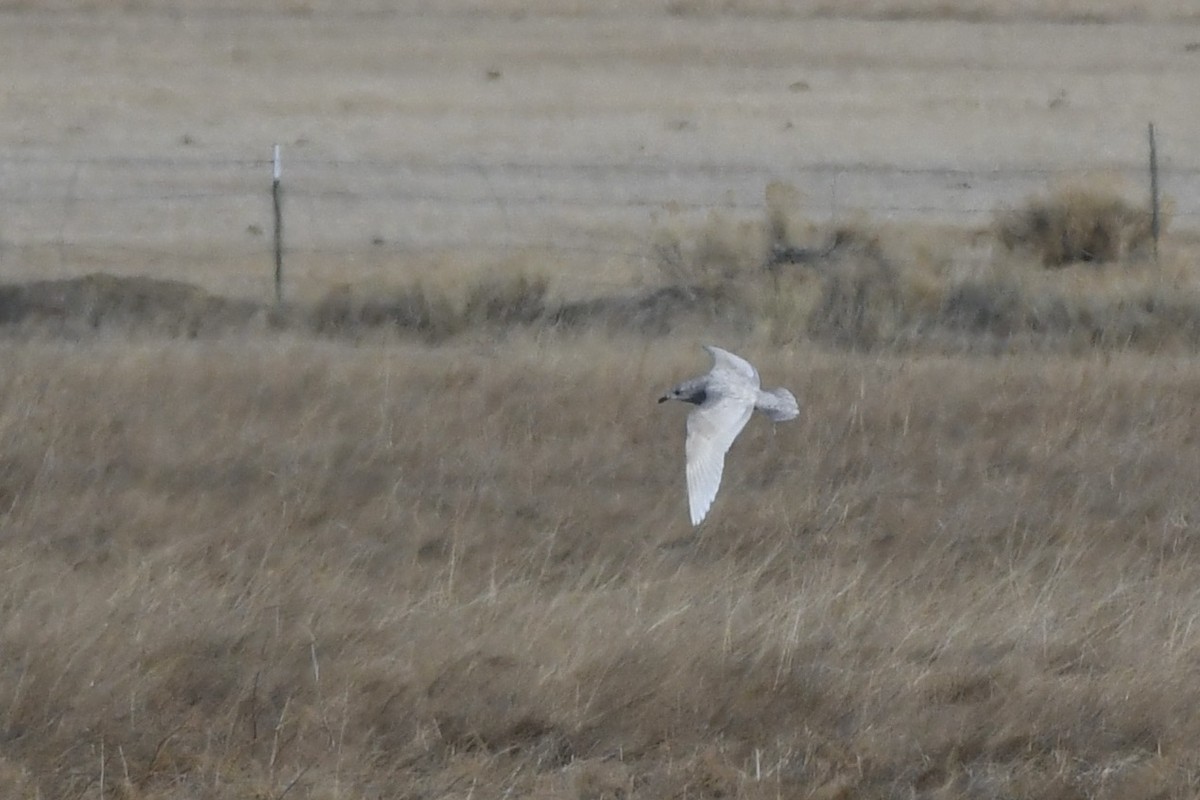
689	392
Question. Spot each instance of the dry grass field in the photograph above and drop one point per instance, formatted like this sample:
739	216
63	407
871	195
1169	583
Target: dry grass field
422	533
254	569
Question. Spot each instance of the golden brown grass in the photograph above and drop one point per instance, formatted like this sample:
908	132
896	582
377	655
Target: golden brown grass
282	567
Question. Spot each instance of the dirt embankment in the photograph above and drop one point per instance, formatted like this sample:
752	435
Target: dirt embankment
76	306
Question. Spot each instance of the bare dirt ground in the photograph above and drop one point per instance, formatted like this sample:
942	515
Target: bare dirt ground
442	558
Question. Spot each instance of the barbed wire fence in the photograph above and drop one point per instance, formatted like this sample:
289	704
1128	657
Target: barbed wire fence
193	218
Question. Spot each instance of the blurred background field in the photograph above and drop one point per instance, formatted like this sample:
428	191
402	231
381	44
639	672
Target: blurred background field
422	137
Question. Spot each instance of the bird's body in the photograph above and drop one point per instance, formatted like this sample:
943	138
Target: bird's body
724	399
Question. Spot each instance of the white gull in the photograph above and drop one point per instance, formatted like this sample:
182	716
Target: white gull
724	399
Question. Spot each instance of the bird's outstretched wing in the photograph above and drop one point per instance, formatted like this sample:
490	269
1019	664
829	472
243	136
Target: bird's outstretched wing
725	361
711	429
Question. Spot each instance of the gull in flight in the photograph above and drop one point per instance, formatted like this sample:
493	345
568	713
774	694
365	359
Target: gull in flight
724	400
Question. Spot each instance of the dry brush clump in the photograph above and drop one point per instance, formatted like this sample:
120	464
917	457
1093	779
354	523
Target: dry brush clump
834	284
720	252
304	568
864	286
1077	223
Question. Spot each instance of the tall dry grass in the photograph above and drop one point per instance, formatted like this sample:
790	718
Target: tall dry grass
288	568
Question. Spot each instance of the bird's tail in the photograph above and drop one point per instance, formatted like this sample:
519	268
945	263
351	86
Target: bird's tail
778	404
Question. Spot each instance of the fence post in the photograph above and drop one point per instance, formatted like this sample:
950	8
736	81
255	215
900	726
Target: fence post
833	198
1154	223
275	198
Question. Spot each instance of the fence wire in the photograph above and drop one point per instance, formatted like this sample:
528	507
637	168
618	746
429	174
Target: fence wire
185	214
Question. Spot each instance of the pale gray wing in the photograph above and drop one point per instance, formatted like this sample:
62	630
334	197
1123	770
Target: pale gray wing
725	361
711	429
